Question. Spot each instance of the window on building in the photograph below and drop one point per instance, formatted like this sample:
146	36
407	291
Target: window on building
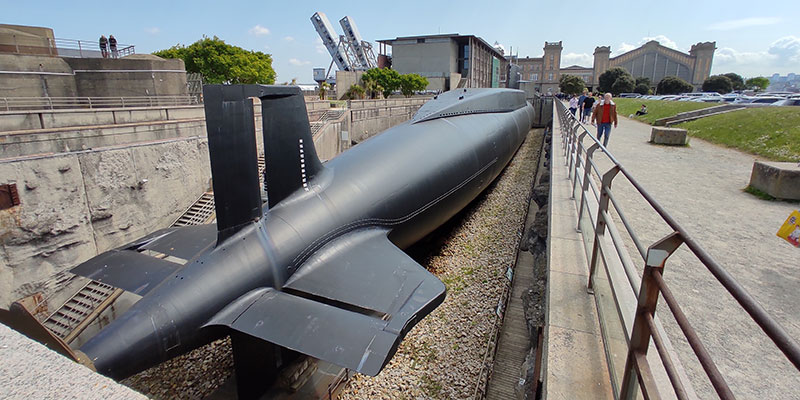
535	77
550	76
420	40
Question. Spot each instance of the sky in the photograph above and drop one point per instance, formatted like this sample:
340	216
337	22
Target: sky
752	38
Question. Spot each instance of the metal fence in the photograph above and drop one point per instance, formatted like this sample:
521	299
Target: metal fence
71	48
64	103
595	201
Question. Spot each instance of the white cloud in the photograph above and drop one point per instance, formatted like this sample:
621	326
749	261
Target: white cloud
152	30
787	49
259	30
743	23
288	38
298	63
582	59
782	56
320	46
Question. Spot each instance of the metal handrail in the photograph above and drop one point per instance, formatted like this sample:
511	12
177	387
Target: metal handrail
71	48
637	370
52	103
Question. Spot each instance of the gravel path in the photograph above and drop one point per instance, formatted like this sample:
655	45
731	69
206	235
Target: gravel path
442	356
701	186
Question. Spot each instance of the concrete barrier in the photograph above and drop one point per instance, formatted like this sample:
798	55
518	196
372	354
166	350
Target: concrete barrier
75	205
778	179
668	136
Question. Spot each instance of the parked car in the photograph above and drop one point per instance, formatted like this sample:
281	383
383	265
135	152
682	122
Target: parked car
758	100
629	95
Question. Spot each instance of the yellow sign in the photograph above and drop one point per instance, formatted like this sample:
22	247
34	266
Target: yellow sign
790	231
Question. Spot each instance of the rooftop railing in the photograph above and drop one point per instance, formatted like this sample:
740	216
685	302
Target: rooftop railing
72	48
613	276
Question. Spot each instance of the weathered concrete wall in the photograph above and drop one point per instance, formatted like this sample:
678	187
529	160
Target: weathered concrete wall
60	140
75	205
129	76
49	76
45	76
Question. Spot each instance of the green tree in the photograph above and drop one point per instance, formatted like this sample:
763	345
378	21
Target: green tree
642	88
387	78
410	83
643	80
571	84
718	83
736	80
323	89
220	62
355	92
673	85
372	88
623	84
606	79
757	83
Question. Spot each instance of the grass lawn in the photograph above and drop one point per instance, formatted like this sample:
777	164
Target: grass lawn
770	132
656	109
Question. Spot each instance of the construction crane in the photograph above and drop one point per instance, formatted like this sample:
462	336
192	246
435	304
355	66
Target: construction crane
348	51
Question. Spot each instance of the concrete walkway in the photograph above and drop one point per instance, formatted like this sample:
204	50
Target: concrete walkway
574	362
701	187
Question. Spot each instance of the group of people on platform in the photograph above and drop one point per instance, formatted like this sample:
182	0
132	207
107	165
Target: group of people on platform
601	112
105	44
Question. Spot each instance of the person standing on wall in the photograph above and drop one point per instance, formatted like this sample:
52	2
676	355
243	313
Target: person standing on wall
112	42
586	108
103	46
605	114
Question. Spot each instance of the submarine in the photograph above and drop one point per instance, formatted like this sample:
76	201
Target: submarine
318	268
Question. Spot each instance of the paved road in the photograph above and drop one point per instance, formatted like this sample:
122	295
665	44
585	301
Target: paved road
701	186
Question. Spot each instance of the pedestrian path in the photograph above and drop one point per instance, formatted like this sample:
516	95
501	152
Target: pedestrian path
701	186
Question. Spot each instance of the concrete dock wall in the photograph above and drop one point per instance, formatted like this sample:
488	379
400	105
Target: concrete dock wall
75	205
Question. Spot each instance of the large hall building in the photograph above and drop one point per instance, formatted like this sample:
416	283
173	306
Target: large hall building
651	60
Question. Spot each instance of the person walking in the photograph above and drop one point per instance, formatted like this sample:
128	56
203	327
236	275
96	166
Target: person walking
580	103
103	46
586	109
573	104
112	42
605	114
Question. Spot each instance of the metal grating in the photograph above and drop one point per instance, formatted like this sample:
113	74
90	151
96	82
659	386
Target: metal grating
64	320
198	213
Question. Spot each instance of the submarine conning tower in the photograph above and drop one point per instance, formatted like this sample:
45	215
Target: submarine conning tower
470	101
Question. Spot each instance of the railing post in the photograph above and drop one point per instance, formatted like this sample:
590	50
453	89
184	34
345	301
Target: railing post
573	172
50	102
600	228
585	184
89	99
16	45
657	255
80	50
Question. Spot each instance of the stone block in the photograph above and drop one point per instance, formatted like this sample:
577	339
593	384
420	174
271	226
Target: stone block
778	179
668	136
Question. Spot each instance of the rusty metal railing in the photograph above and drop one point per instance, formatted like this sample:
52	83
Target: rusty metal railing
603	241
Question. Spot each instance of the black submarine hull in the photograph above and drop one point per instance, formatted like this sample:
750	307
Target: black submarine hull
326	255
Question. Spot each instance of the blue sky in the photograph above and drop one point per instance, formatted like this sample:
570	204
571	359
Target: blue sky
752	38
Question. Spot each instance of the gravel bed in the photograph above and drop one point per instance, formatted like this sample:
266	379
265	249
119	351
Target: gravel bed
194	375
441	358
